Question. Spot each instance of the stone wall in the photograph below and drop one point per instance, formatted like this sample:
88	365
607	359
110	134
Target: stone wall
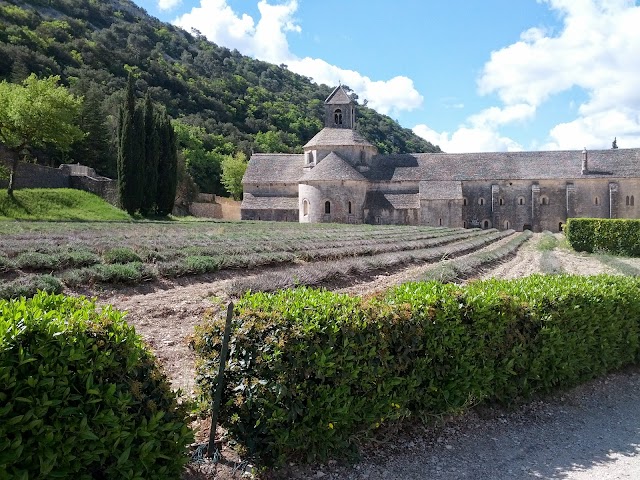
31	175
213	206
340	196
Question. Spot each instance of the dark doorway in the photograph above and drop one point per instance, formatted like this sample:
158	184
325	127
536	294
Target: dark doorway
526	226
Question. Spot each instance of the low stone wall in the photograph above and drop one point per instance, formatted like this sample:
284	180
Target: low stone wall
31	175
101	186
212	206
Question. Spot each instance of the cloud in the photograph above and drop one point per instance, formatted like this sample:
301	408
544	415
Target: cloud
168	4
267	40
468	139
595	51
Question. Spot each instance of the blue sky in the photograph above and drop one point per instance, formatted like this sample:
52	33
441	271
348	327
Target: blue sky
468	75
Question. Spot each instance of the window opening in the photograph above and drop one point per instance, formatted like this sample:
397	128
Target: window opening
596	201
305	208
632	203
349	208
337	116
481	201
327	207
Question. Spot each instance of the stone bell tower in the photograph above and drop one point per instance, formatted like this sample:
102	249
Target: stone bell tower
339	110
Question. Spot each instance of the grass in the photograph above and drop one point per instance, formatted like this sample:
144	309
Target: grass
57	204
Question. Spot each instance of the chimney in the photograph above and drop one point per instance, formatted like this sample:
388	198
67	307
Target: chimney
585	168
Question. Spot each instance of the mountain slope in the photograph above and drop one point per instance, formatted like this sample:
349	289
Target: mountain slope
243	104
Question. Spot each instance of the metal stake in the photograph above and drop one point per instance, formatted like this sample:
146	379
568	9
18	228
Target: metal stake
215	406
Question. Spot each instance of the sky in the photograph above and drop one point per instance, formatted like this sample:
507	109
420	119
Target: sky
467	75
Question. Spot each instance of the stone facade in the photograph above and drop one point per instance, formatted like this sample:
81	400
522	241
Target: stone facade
341	178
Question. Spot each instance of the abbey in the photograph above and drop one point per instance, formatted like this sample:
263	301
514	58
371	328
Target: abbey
342	178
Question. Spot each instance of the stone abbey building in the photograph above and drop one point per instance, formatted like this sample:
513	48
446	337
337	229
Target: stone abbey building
342	178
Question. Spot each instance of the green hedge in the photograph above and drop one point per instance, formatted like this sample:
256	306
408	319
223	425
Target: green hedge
82	397
312	372
615	236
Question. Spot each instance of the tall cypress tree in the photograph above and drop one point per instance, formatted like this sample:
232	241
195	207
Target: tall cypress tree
130	152
151	157
167	165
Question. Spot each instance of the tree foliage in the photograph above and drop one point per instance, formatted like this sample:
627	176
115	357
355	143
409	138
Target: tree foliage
38	113
233	169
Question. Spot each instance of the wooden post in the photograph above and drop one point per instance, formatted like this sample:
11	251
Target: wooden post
215	406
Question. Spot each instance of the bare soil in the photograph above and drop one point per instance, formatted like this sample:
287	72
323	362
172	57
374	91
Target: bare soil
165	314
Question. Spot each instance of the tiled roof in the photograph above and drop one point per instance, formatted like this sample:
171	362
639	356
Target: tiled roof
505	165
336	137
251	202
440	190
387	201
332	167
338	97
274	168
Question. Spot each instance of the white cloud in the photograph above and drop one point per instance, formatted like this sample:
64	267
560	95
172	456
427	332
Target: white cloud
595	51
168	4
267	40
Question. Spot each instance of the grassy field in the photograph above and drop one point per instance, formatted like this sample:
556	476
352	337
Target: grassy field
57	204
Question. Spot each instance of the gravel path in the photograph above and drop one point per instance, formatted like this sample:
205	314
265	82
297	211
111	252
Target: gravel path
591	432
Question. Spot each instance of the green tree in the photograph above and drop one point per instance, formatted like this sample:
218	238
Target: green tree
38	113
130	151
167	165
233	169
151	157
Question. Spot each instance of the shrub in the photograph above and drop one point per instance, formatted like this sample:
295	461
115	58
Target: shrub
615	236
128	273
28	285
312	371
81	396
121	255
6	264
197	264
78	258
32	260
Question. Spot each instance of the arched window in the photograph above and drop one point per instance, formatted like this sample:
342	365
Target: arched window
349	208
337	116
464	201
481	201
628	201
632	202
327	207
501	201
485	224
440	222
521	201
305	208
596	201
544	200
507	225
464	224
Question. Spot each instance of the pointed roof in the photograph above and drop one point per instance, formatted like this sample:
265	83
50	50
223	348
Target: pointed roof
338	97
337	137
331	168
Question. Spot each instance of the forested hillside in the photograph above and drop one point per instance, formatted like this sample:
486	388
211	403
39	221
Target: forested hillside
224	101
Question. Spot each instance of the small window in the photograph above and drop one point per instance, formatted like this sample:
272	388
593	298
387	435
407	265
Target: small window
327	208
485	224
440	222
632	201
350	208
501	201
596	201
507	225
362	157
464	201
305	208
544	200
464	224
628	203
521	201
481	201
337	116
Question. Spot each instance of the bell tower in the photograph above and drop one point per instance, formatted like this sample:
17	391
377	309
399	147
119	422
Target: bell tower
339	110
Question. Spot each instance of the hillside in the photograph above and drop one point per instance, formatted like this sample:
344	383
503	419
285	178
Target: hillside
240	103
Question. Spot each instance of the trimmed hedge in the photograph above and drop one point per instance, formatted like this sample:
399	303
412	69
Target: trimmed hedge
82	397
615	236
312	372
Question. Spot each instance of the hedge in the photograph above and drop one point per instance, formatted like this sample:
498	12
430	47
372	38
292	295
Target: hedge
311	372
82	397
615	236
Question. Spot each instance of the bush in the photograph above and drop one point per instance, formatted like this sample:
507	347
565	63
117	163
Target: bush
32	260
615	236
121	255
128	273
312	371
6	264
28	285
81	396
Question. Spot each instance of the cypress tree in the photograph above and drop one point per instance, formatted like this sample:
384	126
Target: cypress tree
130	152
151	157
167	165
